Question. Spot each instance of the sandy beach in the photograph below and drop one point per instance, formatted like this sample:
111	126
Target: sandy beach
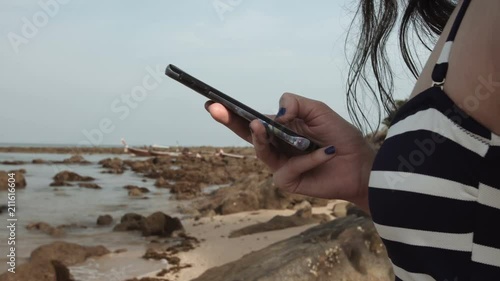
217	249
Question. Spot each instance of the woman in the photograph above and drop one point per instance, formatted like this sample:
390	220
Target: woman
433	188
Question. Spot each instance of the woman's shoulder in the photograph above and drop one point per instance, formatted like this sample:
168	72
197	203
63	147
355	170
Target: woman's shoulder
473	80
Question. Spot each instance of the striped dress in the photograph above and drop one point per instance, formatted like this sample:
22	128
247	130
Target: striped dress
435	187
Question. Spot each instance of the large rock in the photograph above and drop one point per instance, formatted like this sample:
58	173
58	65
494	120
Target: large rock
46	228
155	224
252	192
301	217
104	220
344	249
114	165
205	171
67	253
245	200
161	224
184	190
49	262
89	185
15	162
132	187
143	167
20	181
39	271
75	159
161	182
130	221
62	271
65	176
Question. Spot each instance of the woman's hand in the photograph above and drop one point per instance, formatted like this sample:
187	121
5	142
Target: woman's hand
339	170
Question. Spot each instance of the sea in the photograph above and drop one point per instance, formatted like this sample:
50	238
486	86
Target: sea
39	202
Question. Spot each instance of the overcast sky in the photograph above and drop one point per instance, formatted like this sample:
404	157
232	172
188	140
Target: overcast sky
91	72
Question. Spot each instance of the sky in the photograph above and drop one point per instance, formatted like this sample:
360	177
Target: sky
90	72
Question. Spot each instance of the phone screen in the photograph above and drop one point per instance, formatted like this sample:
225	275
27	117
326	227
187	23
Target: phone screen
288	136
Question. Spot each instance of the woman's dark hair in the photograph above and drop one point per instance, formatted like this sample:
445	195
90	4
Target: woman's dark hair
421	19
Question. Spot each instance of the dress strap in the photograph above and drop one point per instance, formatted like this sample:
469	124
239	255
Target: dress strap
441	67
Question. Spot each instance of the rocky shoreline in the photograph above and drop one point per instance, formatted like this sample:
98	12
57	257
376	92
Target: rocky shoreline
109	150
246	228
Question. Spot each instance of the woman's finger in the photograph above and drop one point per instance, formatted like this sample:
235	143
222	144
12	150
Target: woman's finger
288	176
234	122
264	149
293	106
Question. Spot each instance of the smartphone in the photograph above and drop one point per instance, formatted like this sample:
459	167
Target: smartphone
286	138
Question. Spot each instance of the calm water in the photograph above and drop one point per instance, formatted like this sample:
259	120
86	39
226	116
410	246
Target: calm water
75	205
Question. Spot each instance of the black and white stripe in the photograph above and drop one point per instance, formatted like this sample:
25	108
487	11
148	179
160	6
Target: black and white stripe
435	188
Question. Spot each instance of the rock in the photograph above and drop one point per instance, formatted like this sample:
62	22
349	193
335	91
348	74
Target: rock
240	202
67	253
250	193
72	226
89	185
46	228
114	165
305	211
135	193
185	210
185	190
129	222
18	177
161	182
39	271
301	217
140	166
60	183
161	224
156	224
341	249
62	272
303	205
75	159
186	244
104	220
16	162
174	263
339	210
156	255
38	161
141	189
272	197
65	176
355	210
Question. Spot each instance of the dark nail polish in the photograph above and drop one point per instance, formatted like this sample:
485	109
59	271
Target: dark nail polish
330	150
281	112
